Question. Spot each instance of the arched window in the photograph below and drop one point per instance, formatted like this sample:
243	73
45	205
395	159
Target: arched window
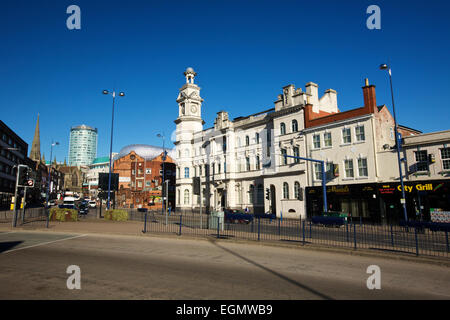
251	193
247	140
285	190
260	194
297	190
282	128
257	163
296	154
178	196
186	172
247	160
257	137
294	125
186	196
178	173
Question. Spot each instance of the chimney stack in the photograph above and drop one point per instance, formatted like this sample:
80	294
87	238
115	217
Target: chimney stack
370	100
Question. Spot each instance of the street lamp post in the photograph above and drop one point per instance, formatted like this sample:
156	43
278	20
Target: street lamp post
113	93
397	142
49	172
163	174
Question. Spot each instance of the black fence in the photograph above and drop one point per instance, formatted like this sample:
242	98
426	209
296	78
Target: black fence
27	217
414	240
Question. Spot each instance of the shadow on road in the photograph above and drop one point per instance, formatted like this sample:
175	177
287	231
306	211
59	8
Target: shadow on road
5	246
315	292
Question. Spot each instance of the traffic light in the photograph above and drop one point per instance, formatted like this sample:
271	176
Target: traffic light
336	169
267	193
22	176
197	185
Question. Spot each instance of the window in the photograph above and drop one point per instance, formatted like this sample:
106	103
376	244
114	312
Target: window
285	190
147	183
421	160
348	164
186	196
251	193
148	171
282	128
316	141
294	126
224	167
139	171
257	163
218	167
178	197
186	172
346	135
139	184
318	171
257	137
362	167
392	133
178	172
247	140
238	142
224	144
296	154
360	136
297	190
133	171
283	158
327	139
445	156
247	160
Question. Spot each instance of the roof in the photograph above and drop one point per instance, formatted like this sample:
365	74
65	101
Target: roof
147	152
101	160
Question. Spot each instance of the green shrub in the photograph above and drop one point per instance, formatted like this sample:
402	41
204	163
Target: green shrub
63	214
116	215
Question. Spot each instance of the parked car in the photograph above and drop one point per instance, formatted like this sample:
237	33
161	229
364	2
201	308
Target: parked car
92	204
52	203
236	216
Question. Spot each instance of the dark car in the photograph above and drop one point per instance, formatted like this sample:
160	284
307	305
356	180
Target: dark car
236	216
83	208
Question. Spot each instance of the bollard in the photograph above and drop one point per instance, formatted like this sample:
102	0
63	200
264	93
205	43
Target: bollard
346	229
145	223
354	234
303	229
48	218
259	227
446	240
417	242
180	225
392	237
310	230
218	223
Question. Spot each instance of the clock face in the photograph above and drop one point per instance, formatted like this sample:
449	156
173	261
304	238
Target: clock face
193	109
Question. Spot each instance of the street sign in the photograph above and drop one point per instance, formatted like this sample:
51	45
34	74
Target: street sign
30	183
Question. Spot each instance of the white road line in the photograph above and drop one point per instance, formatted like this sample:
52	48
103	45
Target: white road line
44	243
2	233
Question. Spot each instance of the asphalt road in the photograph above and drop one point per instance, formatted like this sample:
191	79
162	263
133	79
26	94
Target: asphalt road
33	266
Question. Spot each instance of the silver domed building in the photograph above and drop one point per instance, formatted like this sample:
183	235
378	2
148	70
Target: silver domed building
146	151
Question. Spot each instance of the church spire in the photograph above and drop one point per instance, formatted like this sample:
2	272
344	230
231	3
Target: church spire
35	153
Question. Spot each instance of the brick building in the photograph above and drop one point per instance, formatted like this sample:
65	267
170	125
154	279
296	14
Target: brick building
140	170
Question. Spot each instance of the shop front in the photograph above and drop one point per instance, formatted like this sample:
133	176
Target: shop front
360	201
423	199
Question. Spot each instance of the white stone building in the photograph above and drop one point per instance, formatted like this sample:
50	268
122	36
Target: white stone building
241	160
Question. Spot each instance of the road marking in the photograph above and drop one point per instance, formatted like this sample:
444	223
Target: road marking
44	243
2	233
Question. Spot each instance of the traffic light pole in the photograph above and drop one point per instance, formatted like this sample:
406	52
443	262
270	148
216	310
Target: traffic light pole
14	222
324	181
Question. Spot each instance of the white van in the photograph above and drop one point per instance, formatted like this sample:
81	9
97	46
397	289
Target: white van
69	201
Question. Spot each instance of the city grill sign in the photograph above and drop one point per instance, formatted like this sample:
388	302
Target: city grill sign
418	187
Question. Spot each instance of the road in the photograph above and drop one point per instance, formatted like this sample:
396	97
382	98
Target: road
34	266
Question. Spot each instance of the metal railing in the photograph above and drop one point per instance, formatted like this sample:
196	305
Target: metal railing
393	238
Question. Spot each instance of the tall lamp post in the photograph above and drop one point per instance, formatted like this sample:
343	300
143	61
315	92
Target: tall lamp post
49	172
113	93
163	174
397	141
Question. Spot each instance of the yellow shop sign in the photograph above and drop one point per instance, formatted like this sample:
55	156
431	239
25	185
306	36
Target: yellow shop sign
418	187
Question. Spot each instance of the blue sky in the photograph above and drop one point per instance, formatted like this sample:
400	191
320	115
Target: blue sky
244	52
